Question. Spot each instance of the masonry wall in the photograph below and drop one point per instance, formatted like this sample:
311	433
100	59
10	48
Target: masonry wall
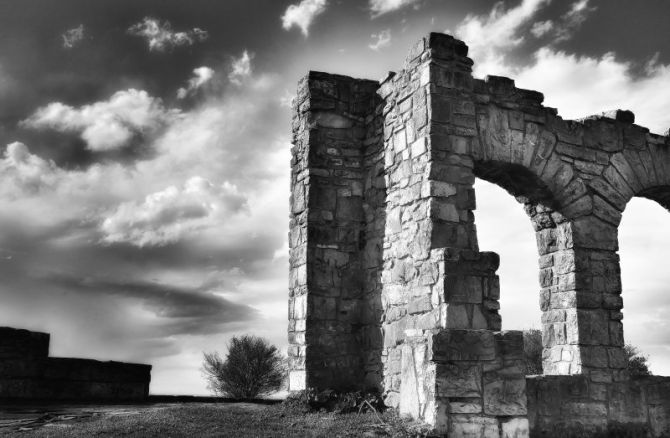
27	373
333	154
577	404
387	280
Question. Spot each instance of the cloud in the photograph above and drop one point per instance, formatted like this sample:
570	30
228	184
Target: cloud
302	14
577	85
106	125
55	227
572	19
583	85
22	172
380	7
491	37
201	76
181	310
240	68
541	28
165	217
383	39
286	99
73	37
160	36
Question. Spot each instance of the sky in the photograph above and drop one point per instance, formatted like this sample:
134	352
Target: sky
144	157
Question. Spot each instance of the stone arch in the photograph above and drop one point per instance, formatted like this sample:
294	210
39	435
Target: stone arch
387	283
555	255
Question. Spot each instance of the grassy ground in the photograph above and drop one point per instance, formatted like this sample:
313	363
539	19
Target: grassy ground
221	420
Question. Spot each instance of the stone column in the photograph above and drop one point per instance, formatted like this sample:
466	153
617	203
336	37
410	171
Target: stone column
443	362
327	231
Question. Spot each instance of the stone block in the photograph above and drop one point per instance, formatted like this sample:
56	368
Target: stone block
472	406
584	409
459	380
419	305
463	345
409	403
517	427
627	403
504	396
473	426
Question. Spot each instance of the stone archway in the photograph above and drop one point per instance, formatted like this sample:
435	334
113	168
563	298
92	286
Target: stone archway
388	287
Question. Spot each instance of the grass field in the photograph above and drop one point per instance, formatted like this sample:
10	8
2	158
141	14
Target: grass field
218	420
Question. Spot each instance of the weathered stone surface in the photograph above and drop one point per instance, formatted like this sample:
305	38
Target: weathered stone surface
384	254
459	380
471	426
515	428
463	345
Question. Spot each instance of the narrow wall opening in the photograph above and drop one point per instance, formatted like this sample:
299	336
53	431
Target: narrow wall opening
529	280
503	227
644	249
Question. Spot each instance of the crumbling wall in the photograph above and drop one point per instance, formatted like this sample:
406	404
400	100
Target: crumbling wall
388	286
27	373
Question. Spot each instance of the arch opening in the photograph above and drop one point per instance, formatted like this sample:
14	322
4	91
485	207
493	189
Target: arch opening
503	227
643	249
518	309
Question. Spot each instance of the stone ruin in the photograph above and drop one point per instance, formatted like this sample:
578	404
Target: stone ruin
27	373
388	288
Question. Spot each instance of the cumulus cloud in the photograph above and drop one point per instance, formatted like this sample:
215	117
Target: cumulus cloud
61	230
491	37
23	172
160	36
164	217
201	76
577	85
380	7
583	85
381	39
303	14
72	37
106	125
240	68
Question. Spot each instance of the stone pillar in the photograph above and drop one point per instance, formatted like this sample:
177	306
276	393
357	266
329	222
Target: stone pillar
597	315
327	231
440	294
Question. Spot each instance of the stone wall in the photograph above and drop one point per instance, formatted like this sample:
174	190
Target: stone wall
387	283
591	405
27	373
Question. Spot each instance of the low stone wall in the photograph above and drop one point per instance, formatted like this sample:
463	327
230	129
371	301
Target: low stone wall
558	405
27	373
22	344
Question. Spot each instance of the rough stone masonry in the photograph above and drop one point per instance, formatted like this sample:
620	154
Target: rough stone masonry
388	288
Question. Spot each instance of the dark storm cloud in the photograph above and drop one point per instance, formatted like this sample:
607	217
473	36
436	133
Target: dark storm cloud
181	310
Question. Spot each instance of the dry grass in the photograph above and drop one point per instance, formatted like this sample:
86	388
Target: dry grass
223	420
